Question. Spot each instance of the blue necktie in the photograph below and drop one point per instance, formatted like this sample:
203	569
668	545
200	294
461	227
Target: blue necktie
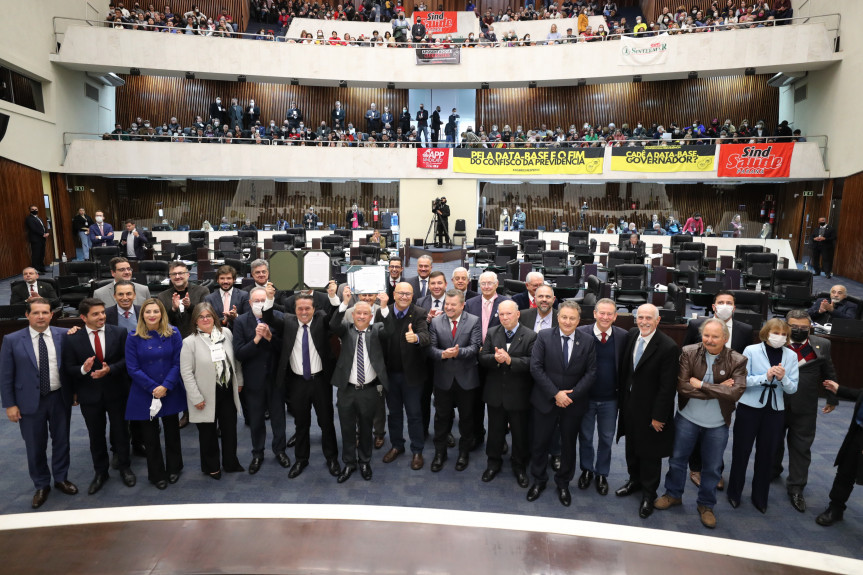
509	335
44	372
639	351
565	351
361	362
307	359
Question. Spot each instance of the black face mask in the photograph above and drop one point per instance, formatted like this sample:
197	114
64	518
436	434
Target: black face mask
34	212
799	334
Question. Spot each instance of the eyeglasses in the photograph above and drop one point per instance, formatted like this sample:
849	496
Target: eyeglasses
487	284
178	274
123	269
403	293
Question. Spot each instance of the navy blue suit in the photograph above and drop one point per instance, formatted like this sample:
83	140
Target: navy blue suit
473	306
19	386
523	300
141	243
107	235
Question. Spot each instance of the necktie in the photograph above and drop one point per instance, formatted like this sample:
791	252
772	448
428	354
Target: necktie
603	338
33	290
423	288
509	335
126	314
101	230
454	326
436	303
532	303
226	301
565	351
361	362
44	372
307	360
97	345
639	351
486	316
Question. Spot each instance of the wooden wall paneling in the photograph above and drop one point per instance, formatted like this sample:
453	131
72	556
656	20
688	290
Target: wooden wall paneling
158	98
67	238
22	187
22	90
680	101
99	194
848	258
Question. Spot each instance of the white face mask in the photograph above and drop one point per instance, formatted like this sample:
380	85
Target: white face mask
776	340
258	309
724	311
99	219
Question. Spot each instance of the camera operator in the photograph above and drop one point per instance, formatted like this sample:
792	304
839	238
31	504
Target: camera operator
441	210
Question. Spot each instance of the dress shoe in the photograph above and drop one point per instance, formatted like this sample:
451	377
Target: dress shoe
235	468
646	508
628	488
695	477
666	501
489	474
115	462
292	441
564	496
521	478
379	441
535	491
334	468
585	479
366	471
255	465
41	496
601	485
462	461
505	448
830	516
734	503
66	487
437	462
797	502
555	462
297	468
392	455
450	440
708	519
761	508
216	475
139	450
828	276
346	473
283	459
97	483
161	484
129	479
184	421
173	478
417	461
721	485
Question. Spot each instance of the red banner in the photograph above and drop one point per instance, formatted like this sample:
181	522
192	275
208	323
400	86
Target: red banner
438	22
755	160
433	158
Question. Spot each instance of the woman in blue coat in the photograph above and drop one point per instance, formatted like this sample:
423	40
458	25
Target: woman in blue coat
771	373
153	363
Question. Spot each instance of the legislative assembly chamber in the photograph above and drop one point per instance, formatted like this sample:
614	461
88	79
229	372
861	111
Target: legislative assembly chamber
609	296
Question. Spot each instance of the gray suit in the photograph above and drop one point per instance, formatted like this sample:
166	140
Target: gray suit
415	283
106	294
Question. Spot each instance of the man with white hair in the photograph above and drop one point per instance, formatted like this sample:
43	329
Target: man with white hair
527	299
461	281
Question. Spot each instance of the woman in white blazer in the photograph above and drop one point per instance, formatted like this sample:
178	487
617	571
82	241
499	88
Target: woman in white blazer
213	380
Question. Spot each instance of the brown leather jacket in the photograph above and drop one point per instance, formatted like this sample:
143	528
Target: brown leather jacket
729	365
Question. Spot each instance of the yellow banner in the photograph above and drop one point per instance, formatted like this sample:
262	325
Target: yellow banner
664	159
530	161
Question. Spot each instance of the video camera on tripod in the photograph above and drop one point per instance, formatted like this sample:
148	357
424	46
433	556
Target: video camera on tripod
437	204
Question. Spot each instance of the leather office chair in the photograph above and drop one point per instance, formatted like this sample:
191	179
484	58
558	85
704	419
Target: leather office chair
533	250
632	286
688	268
617	258
780	302
486	232
758	266
678	240
741	250
554	263
524	235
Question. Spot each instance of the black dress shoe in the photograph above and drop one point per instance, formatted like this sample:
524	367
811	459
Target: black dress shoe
139	450
184	421
161	484
366	471
734	503
333	467
762	509
646	508
292	441
115	462
797	502
216	475
129	479
830	516
255	465
601	485
297	468
462	461
521	479
564	496
534	492
437	462
283	459
173	478
450	440
628	488
346	473
66	487
489	474
585	479
555	462
97	483
41	496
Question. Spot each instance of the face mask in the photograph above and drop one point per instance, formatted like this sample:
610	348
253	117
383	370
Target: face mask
216	123
272	124
639	126
218	101
776	340
822	224
799	334
100	219
404	110
34	212
724	311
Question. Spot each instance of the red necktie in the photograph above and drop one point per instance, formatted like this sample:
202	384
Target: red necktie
532	303
603	338
454	326
33	290
98	346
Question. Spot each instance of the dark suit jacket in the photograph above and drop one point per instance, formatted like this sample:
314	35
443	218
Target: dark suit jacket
374	342
239	298
549	375
474	307
855	395
112	387
107	235
637	248
349	215
468	337
436	121
321	301
741	334
508	385
523	301
829	238
422	118
619	343
391	287
20	293
812	373
288	328
112	314
141	242
845	309
528	318
19	370
235	115
217	114
183	320
36	229
337	118
647	393
415	283
427	302
259	361
413	355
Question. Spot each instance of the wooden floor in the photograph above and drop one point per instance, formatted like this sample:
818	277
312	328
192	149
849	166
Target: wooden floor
252	546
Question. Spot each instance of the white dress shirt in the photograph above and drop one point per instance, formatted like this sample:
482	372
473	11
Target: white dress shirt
646	342
90	333
297	353
53	369
130	244
371	374
598	333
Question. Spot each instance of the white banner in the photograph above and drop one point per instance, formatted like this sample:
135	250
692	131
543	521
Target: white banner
650	51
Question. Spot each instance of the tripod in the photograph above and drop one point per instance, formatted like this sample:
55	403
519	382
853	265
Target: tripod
432	226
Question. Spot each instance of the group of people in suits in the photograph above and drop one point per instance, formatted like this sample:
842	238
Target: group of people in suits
96	232
522	364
